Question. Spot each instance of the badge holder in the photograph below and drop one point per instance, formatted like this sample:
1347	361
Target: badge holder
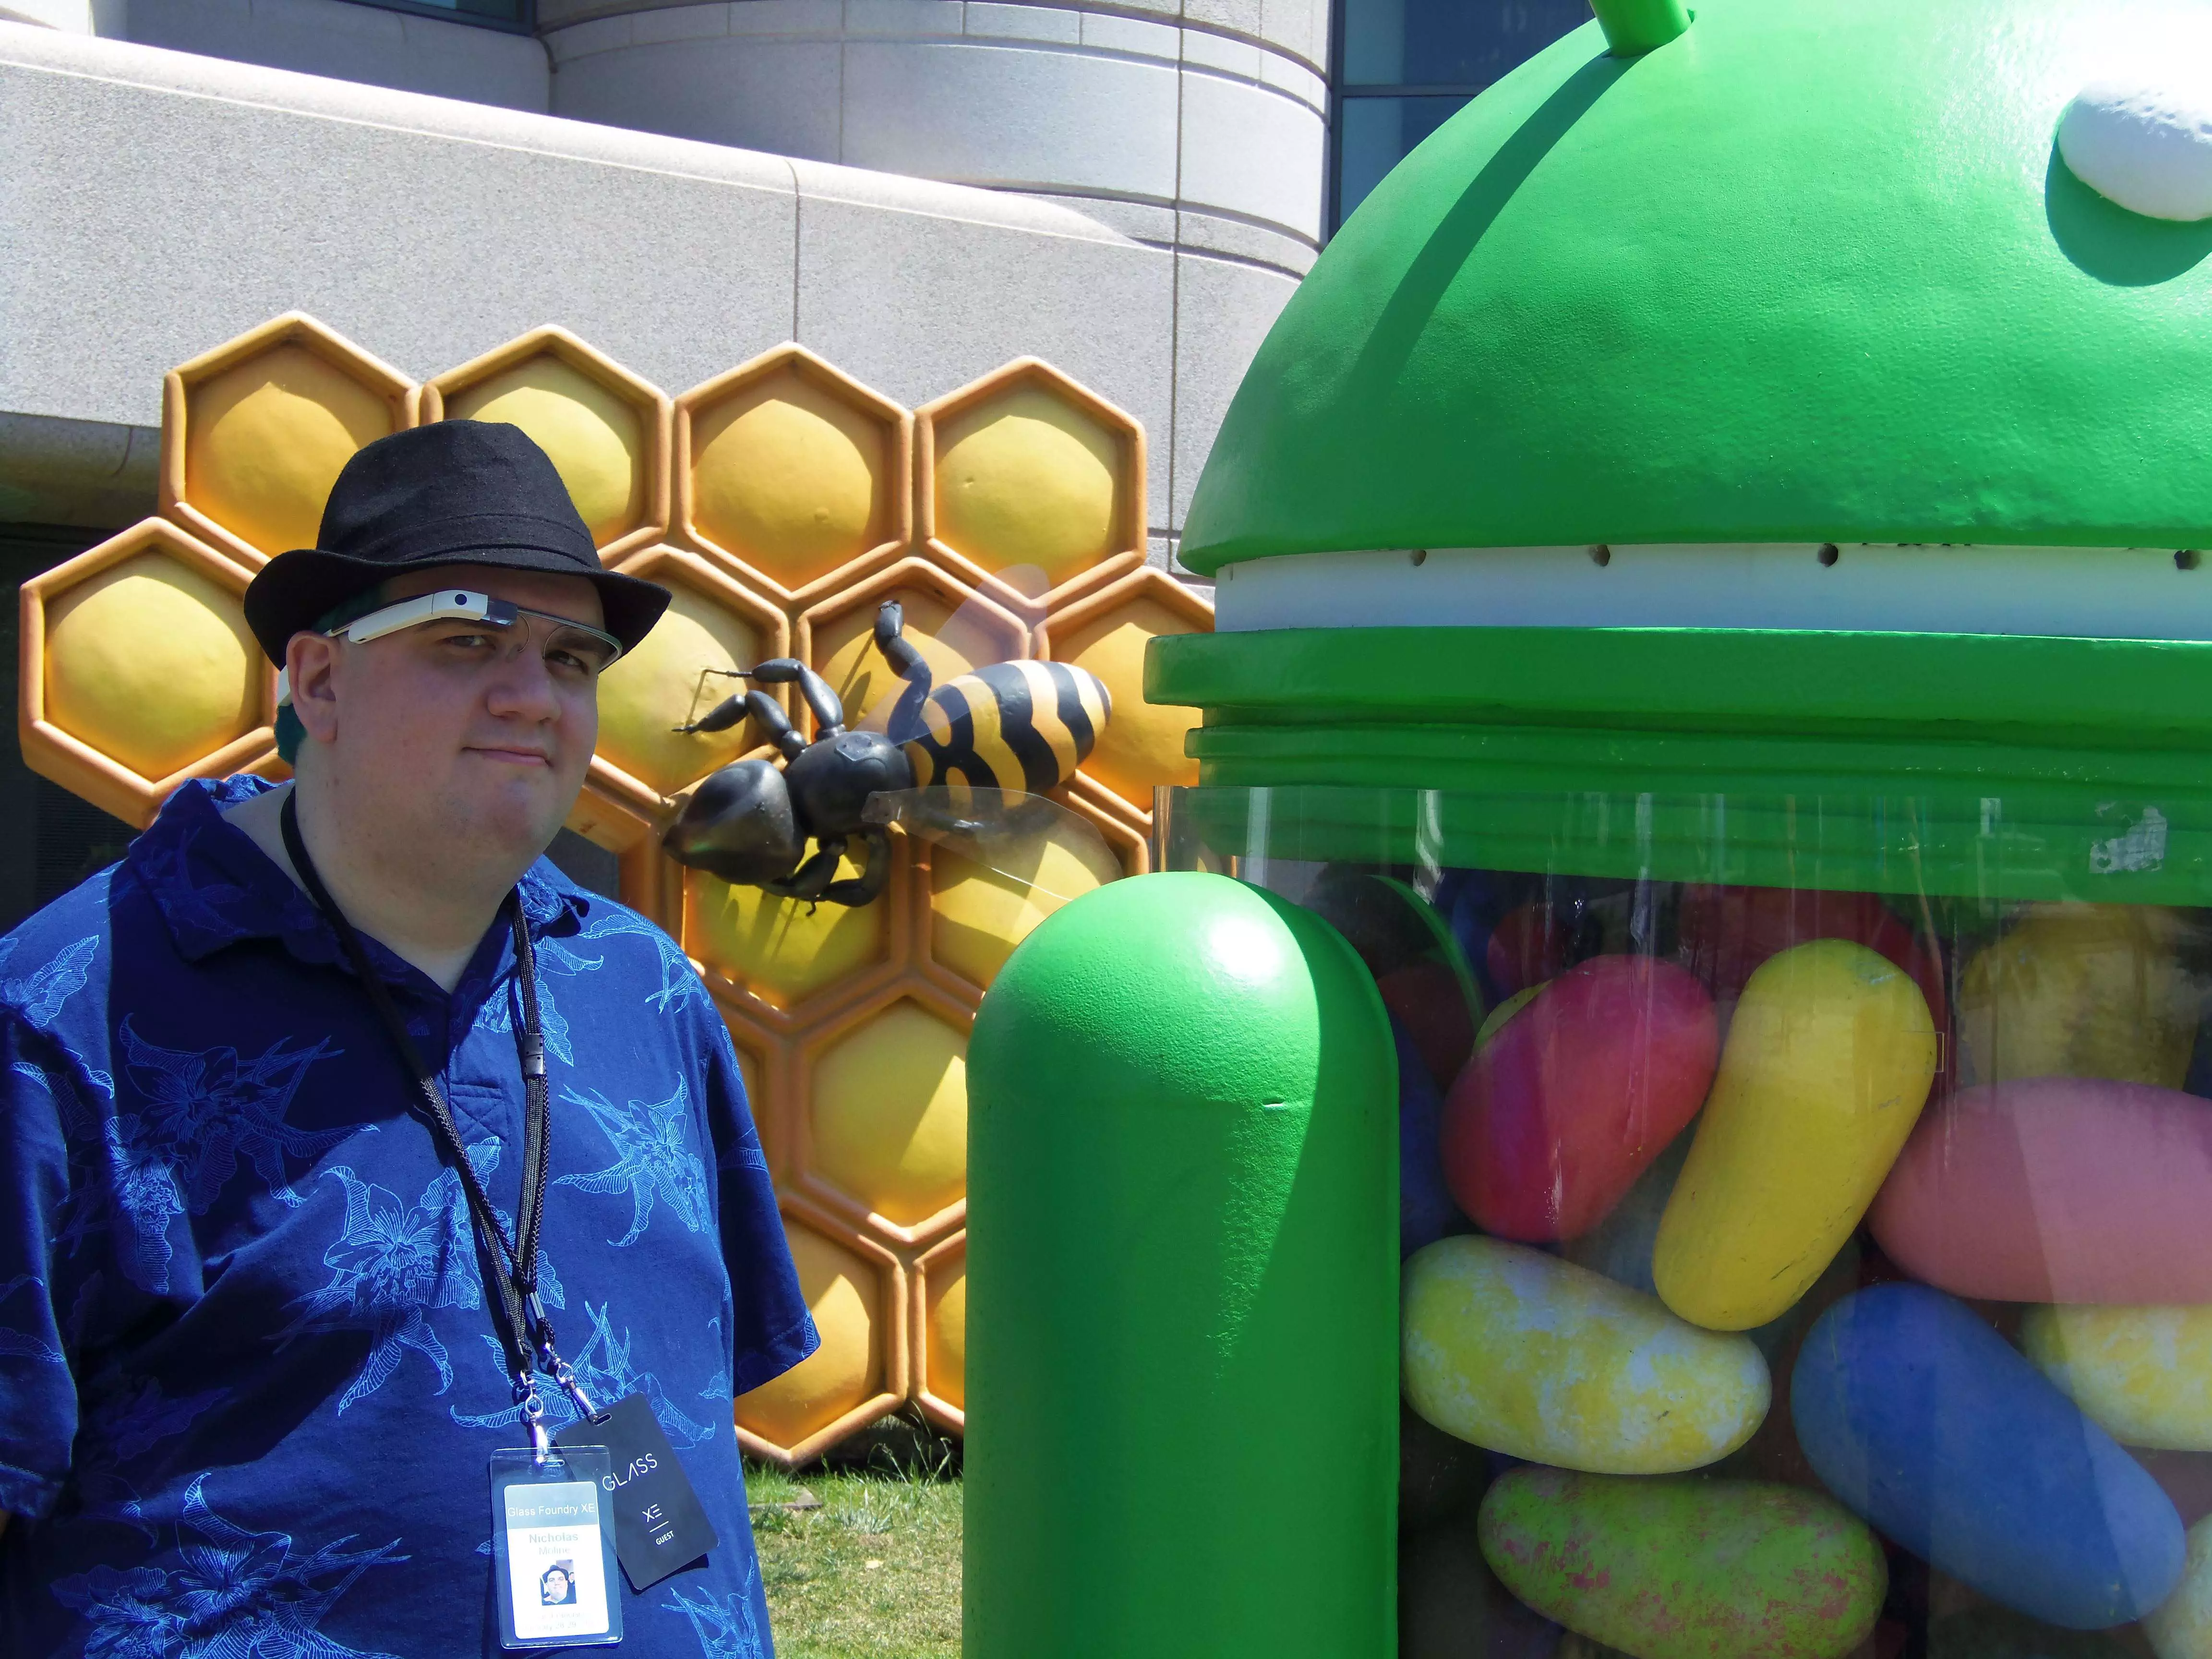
553	1543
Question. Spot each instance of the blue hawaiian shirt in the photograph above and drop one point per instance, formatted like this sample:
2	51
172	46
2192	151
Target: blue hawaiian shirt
248	1385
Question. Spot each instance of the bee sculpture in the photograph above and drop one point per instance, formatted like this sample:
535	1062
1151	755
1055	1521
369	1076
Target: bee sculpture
1010	730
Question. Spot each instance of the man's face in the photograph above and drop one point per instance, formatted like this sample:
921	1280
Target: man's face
477	737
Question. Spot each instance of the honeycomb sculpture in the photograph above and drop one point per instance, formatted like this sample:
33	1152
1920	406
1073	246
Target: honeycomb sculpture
781	501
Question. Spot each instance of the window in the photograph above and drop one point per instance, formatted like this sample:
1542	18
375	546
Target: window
1407	65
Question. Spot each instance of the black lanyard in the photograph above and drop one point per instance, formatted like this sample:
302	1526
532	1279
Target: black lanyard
511	1263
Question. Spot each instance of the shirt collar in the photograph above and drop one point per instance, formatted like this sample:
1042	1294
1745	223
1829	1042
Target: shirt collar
214	888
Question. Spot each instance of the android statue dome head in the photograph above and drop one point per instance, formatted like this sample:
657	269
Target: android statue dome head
1815	272
1806	396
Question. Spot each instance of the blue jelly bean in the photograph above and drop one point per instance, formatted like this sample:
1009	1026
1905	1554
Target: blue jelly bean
1925	1421
1425	1211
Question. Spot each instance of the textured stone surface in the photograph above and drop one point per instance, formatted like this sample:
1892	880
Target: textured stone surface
464	225
1104	315
1251	151
1223	311
348	42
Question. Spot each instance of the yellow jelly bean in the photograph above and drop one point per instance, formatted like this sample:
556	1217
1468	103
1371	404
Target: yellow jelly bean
1524	1353
1827	1063
2181	1628
2139	1372
2082	990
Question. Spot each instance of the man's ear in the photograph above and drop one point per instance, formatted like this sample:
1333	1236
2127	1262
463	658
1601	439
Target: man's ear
310	665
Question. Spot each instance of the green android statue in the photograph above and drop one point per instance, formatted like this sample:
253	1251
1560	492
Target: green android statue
1758	447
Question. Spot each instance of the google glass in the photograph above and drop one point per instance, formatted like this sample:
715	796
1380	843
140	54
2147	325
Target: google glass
594	649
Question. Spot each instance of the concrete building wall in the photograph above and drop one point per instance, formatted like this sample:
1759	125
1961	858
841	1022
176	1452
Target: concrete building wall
401	49
1198	124
429	230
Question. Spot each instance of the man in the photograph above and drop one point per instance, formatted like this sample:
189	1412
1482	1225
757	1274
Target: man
265	1285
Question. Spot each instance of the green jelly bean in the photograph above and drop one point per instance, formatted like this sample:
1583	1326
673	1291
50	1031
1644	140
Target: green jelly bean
1685	1568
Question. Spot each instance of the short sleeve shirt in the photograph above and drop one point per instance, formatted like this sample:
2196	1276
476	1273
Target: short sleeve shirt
249	1388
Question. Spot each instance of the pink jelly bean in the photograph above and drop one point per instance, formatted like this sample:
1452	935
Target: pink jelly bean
2056	1190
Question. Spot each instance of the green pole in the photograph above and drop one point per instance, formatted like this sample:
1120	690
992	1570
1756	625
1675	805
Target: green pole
1634	28
1183	1384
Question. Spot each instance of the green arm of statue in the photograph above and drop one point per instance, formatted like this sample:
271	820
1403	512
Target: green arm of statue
1182	1277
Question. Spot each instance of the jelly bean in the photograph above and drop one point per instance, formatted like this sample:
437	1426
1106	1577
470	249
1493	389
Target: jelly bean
1451	1607
2181	1627
1827	1063
1528	946
1924	1420
2144	1375
1728	932
2056	1190
1686	1568
1425	1211
1521	1353
1494	1021
2082	990
1433	1006
1569	1101
1621	1246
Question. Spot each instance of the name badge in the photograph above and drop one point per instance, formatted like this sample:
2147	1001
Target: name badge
552	1549
658	1525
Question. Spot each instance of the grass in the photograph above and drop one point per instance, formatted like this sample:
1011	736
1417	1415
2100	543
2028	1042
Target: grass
874	1573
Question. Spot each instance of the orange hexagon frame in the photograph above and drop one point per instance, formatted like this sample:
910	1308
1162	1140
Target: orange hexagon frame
894	1349
1126	841
895	522
1147	584
609	818
293	328
768	1093
75	765
940	1257
675	567
959	1012
649	401
1130	519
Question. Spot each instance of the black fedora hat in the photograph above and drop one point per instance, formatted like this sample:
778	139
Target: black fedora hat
451	493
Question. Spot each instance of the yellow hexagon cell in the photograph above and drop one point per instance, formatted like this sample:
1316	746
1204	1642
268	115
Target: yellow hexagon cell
789	479
1026	479
948	1337
150	663
774	946
660	685
594	437
891	1115
266	439
978	915
1143	743
951	640
840	1289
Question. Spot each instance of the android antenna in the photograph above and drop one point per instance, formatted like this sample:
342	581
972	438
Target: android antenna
1634	28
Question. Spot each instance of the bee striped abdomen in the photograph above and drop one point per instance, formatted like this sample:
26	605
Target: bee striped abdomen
1014	726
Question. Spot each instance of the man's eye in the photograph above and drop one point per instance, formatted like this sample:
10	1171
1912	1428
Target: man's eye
468	641
567	662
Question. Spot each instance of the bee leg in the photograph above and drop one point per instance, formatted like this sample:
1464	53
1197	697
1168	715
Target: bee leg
769	713
909	665
829	711
813	880
866	886
720	718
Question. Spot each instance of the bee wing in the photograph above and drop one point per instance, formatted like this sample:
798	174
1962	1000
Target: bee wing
1007	832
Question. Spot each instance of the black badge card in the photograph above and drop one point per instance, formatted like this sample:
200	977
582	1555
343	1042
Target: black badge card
659	1528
